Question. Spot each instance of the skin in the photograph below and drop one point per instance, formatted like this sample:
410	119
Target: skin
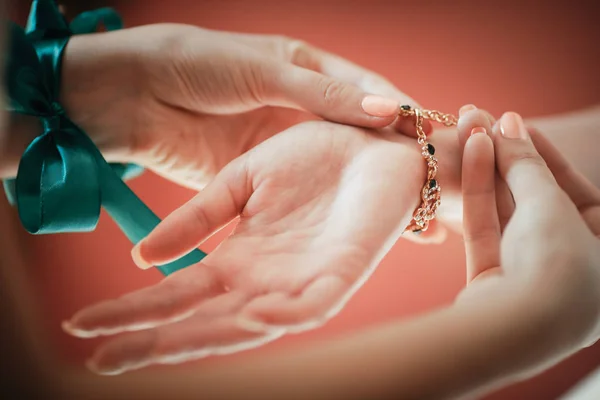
190	133
511	314
185	101
223	304
493	330
307	256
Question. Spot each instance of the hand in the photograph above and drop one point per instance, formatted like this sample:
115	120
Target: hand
185	101
450	212
549	249
319	205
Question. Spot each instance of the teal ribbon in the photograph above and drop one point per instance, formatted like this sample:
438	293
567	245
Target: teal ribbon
63	180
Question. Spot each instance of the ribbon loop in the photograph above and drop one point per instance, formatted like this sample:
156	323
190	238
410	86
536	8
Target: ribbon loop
45	21
89	21
63	180
57	186
27	90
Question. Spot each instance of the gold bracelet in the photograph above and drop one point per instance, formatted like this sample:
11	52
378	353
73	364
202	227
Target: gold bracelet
431	194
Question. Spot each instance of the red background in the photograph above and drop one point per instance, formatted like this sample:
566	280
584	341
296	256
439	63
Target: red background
534	58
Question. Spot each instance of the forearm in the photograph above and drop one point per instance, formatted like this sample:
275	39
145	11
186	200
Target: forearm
463	350
466	349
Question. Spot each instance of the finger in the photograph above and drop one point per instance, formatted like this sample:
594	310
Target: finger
174	298
582	192
186	228
317	303
471	117
406	125
312	58
304	55
504	202
480	217
194	338
287	85
519	163
309	57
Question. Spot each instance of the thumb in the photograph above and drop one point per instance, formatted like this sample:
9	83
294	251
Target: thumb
185	229
287	85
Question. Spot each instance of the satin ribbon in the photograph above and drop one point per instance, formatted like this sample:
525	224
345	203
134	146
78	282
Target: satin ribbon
63	180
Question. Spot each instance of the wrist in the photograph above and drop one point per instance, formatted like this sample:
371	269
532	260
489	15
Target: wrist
568	299
532	325
100	76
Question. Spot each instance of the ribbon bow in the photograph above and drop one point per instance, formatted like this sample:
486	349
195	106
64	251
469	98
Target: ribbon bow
63	180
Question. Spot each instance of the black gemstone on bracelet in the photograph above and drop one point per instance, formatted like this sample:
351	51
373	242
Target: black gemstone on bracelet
432	183
405	107
430	149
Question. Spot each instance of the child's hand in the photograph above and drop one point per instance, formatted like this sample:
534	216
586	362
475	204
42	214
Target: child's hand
319	205
549	251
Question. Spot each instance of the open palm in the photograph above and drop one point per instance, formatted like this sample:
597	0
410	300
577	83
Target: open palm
303	244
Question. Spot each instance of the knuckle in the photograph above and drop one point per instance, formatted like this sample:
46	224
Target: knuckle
300	53
293	49
175	38
484	237
200	217
255	82
166	305
332	91
478	191
527	156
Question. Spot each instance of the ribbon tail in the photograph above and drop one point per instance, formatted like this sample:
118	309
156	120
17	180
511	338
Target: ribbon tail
127	171
134	218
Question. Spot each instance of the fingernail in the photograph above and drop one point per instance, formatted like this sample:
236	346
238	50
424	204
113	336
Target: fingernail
465	109
67	326
512	126
479	129
378	106
102	370
136	255
91	365
251	325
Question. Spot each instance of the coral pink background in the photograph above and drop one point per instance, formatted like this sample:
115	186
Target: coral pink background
535	59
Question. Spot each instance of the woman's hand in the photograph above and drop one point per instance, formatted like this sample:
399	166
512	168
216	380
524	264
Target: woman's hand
319	205
185	101
549	251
